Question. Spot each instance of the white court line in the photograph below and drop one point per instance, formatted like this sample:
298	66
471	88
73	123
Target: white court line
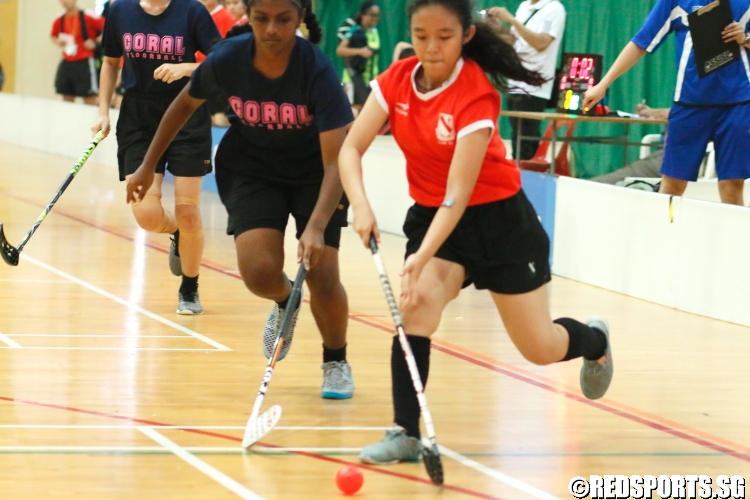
97	335
53	348
283	428
510	481
185	427
128	304
82	427
82	448
194	449
34	281
12	344
202	466
267	450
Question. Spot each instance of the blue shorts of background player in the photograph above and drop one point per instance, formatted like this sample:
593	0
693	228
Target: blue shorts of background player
691	128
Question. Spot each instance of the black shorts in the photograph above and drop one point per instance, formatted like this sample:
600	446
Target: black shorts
501	245
254	203
189	154
77	78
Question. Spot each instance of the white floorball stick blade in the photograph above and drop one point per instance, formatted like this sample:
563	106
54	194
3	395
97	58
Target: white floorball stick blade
260	426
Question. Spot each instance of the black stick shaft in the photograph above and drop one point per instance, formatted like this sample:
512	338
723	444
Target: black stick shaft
76	168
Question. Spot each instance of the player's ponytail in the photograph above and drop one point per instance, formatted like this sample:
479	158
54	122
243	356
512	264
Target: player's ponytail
311	21
239	29
493	54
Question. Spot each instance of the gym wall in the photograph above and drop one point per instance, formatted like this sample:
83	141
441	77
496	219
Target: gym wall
8	23
37	58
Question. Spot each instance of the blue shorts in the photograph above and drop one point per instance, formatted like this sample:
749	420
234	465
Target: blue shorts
689	131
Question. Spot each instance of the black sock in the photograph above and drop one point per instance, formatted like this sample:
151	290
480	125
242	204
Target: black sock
176	238
584	340
189	285
334	354
405	403
285	302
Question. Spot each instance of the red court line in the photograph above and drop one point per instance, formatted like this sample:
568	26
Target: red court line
457	489
653	421
675	429
118	232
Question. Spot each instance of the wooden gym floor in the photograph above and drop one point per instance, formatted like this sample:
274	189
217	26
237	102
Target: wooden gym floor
106	393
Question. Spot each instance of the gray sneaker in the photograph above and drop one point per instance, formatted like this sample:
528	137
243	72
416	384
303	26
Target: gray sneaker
174	254
337	380
189	303
595	377
270	332
395	447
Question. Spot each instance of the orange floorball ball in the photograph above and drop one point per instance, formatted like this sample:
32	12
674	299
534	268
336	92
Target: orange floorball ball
349	479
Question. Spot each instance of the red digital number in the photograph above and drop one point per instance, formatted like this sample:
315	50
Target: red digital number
580	69
586	66
574	63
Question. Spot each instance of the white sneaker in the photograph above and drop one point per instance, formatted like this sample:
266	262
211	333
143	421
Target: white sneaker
337	380
271	331
596	377
394	448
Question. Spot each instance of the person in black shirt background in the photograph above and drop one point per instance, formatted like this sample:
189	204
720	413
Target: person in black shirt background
159	39
279	157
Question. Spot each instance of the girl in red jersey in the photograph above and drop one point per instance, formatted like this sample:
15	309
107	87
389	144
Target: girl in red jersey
238	9
471	222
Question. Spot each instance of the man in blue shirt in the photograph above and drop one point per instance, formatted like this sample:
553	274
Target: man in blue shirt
715	107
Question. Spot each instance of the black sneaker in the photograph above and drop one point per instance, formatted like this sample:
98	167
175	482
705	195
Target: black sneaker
189	303
174	254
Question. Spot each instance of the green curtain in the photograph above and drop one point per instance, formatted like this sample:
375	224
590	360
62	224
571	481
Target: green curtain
602	27
393	26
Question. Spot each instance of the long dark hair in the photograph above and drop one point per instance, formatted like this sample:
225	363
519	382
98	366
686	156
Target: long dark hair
364	9
311	21
493	54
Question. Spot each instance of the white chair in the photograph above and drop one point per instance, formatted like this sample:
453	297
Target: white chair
708	168
647	140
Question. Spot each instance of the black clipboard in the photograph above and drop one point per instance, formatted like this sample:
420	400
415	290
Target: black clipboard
706	25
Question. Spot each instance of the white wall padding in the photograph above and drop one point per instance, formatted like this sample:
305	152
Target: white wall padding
714	264
384	171
54	126
693	257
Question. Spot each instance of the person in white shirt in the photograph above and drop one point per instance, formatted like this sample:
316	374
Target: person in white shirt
535	32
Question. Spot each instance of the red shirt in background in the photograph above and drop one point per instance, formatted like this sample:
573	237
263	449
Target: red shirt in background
223	21
427	126
72	26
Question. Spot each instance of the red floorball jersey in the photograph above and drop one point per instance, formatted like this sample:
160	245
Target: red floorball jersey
72	26
223	21
427	126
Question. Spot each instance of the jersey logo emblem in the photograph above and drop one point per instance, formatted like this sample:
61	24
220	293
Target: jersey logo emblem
445	131
402	108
